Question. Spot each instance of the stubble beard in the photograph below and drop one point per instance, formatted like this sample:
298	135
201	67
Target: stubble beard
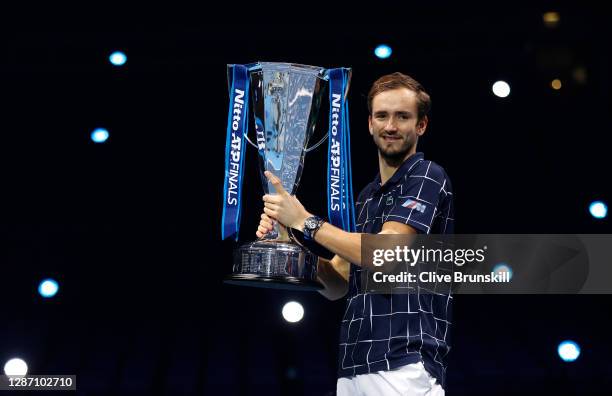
395	158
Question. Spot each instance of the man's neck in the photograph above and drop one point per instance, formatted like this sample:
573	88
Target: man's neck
388	168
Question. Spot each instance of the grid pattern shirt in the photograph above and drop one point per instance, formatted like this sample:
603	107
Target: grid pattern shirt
386	331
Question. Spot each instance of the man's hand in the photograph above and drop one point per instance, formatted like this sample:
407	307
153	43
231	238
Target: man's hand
283	207
266	224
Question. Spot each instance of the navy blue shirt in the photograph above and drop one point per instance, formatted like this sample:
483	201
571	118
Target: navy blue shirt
387	331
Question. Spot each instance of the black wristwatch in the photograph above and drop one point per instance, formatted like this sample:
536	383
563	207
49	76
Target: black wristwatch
311	226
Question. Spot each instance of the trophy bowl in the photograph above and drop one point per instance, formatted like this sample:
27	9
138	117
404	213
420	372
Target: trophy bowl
274	263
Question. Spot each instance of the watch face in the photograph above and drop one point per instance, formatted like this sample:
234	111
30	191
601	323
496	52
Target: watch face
310	222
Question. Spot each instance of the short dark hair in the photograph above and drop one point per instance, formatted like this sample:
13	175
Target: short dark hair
398	80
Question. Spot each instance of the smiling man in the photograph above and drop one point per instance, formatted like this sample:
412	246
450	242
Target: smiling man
390	344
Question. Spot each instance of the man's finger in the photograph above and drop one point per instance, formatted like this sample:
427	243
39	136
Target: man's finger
272	198
276	183
267	220
270	212
270	206
266	224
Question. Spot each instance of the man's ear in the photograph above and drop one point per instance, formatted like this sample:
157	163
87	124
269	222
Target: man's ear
370	125
422	126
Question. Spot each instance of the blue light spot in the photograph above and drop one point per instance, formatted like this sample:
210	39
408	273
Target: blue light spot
568	351
99	135
383	51
48	288
117	58
503	267
598	209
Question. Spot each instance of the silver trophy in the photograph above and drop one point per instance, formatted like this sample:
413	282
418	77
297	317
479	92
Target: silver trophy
286	99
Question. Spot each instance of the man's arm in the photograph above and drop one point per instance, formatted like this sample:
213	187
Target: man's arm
347	245
288	210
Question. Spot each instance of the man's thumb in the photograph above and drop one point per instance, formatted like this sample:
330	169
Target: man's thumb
275	181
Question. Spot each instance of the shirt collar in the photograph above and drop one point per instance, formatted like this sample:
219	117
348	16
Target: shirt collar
399	173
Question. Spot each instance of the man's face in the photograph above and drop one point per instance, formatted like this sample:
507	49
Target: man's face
393	123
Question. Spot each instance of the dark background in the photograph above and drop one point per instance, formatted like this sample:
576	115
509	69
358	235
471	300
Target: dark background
131	228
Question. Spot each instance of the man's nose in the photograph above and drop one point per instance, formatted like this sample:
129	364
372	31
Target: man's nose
391	125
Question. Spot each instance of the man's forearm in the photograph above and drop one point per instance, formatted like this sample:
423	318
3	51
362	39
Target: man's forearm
345	244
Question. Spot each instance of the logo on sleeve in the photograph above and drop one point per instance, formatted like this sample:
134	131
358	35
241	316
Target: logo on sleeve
411	204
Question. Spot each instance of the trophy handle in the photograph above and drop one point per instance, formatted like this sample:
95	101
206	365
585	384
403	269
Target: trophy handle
249	140
306	150
317	144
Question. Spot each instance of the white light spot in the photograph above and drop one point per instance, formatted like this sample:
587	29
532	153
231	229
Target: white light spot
15	366
293	312
501	89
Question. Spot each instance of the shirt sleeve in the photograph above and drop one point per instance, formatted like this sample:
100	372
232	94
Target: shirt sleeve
418	199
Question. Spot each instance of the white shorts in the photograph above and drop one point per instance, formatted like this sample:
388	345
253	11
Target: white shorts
408	380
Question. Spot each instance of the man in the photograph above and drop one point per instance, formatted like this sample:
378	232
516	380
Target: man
390	344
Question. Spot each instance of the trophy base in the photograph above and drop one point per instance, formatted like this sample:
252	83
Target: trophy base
275	264
273	282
